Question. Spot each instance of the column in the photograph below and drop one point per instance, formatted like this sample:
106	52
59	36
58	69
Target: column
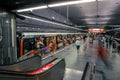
8	49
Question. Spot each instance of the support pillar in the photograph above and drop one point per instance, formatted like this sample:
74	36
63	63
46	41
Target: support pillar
8	47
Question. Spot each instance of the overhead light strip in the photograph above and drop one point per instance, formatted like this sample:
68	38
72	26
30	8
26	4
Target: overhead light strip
70	3
46	21
56	5
89	19
33	8
32	33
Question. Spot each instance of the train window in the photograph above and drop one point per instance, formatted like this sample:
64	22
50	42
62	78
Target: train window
29	44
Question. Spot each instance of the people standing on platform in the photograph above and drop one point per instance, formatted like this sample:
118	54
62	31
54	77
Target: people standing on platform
64	41
61	44
90	41
110	42
84	38
103	41
78	43
68	42
53	46
107	42
114	45
40	45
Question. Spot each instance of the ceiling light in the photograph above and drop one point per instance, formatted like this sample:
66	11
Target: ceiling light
32	33
30	9
96	29
55	5
51	22
70	3
89	19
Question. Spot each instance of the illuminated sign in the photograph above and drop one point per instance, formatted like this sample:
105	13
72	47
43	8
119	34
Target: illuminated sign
96	30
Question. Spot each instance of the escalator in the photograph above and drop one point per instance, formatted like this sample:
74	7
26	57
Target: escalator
33	69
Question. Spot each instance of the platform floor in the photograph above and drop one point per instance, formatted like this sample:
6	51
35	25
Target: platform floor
75	63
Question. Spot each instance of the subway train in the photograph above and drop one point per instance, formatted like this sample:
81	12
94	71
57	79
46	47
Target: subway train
26	41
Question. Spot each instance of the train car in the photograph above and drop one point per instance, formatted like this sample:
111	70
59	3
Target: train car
26	41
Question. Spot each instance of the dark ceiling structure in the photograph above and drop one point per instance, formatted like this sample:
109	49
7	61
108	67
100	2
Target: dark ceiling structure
98	13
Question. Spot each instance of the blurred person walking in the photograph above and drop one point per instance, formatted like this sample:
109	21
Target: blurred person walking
78	43
103	54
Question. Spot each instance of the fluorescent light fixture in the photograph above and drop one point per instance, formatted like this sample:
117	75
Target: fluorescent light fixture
33	33
90	19
56	5
96	29
46	21
70	3
33	8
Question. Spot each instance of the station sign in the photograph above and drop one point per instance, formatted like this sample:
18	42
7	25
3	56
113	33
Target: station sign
96	30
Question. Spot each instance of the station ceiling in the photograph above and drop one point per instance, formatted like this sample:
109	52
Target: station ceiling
95	13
